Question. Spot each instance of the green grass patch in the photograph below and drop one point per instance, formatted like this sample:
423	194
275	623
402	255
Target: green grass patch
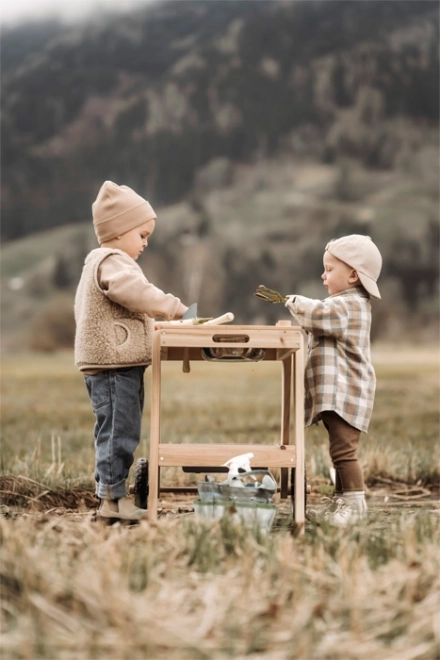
47	422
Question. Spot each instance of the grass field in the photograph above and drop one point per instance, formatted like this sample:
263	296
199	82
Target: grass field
180	590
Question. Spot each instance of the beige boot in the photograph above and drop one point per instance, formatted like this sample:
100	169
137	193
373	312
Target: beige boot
120	510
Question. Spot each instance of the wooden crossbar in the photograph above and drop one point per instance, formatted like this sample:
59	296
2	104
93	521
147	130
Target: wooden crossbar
186	455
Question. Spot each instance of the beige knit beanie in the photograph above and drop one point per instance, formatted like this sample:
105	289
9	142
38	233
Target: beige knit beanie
117	209
360	253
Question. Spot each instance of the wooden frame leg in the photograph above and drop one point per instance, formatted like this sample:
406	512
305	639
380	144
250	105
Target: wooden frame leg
286	402
154	429
299	513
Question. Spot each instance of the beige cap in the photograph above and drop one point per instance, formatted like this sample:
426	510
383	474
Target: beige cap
362	254
117	209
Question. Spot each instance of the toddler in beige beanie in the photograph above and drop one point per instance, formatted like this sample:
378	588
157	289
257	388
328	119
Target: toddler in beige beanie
115	307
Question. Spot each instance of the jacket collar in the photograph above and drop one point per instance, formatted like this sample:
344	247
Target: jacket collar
358	290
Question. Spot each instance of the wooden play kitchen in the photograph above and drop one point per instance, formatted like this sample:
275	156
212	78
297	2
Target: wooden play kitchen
283	343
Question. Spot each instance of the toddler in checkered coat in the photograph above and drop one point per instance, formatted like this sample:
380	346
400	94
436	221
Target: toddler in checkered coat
340	379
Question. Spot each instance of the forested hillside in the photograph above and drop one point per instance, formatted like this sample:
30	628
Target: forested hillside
152	97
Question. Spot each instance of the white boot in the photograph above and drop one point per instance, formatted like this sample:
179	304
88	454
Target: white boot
317	512
340	511
121	510
358	505
332	511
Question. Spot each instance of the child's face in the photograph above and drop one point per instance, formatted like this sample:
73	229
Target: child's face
135	241
337	275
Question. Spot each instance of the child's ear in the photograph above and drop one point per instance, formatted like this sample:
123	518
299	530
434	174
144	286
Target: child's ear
353	278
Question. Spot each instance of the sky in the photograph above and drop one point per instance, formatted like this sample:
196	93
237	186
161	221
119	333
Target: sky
15	12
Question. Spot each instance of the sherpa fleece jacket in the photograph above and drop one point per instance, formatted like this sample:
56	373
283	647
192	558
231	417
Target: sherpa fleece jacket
114	309
339	373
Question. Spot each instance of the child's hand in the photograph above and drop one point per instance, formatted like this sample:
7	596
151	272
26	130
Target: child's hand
269	295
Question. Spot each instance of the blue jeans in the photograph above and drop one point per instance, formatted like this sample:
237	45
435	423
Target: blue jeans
117	397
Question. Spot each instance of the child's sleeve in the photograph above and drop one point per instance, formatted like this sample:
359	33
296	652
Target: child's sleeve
320	317
125	284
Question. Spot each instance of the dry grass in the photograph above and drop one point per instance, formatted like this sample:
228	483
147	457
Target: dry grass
72	589
25	493
178	590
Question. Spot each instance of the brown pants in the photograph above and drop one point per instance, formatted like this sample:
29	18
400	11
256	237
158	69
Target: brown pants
344	441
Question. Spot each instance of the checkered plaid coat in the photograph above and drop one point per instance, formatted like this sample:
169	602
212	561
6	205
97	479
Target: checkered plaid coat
339	374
